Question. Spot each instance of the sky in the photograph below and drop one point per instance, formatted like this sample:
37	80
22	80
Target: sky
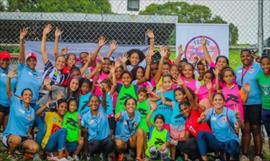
242	13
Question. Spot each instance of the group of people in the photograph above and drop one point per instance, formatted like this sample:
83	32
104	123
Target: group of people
137	107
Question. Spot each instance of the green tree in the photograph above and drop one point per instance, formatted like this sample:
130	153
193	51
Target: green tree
81	6
190	13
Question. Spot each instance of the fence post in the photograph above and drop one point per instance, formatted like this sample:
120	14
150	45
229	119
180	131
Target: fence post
260	27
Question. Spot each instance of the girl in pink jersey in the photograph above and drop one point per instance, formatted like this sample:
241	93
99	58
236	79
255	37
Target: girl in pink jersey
205	91
188	78
233	94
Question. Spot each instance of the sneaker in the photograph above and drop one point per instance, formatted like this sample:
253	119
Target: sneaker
70	158
11	158
76	158
257	158
244	158
36	157
63	159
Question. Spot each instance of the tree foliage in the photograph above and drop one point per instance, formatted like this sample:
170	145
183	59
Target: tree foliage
190	13
81	6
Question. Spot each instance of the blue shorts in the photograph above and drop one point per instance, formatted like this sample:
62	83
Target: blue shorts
71	146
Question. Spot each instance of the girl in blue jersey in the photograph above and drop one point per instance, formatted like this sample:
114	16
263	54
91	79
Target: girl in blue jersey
224	125
97	125
21	119
5	59
126	132
167	97
85	93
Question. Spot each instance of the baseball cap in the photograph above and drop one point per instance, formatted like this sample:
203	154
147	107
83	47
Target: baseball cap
5	55
31	55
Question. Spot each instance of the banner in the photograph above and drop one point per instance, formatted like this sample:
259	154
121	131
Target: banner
77	48
190	35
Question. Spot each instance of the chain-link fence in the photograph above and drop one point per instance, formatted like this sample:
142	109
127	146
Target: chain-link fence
130	29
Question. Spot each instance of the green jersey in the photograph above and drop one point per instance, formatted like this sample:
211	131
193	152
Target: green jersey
71	123
264	83
123	95
156	138
144	109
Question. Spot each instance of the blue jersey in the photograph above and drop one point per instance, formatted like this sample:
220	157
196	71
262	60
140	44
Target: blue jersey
165	110
127	127
222	124
83	103
177	118
28	78
4	100
20	118
243	77
109	103
97	126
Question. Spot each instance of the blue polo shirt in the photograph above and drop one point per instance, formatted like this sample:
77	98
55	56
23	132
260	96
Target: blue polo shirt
97	126
165	110
83	103
28	78
177	119
127	127
254	96
20	118
4	100
222	124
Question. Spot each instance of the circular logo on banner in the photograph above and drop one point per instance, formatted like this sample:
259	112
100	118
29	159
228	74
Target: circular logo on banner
194	48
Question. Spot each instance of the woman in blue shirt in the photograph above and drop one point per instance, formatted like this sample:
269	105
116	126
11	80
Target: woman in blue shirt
225	126
126	132
21	120
5	59
97	124
28	76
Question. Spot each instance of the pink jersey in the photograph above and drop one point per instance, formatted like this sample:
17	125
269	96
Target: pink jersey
101	77
192	84
233	99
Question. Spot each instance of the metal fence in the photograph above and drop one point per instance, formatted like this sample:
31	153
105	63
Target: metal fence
130	29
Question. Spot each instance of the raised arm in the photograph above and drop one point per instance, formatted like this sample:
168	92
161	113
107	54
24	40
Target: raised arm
23	33
47	29
205	51
11	74
148	68
153	106
113	47
57	34
163	53
151	37
104	101
180	54
101	43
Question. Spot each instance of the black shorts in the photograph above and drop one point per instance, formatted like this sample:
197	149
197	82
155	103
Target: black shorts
6	138
112	123
4	109
252	114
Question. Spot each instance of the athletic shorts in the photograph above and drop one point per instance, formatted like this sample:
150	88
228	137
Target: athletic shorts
4	109
266	120
252	114
5	140
112	123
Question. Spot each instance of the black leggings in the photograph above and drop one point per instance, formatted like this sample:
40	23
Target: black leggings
105	146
